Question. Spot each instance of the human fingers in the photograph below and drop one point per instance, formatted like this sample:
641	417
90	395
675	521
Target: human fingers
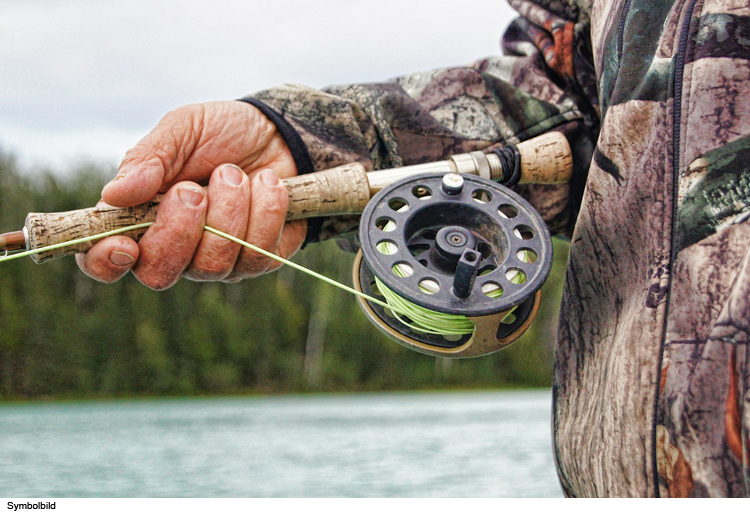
109	259
156	159
189	143
168	246
292	236
228	211
268	205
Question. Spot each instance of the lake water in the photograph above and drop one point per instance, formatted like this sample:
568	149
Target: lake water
466	444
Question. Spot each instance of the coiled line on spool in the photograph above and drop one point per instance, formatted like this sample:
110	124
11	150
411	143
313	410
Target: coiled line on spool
421	319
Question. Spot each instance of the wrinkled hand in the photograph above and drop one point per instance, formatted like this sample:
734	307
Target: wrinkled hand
233	147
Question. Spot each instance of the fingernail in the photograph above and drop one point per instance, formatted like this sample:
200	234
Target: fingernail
231	174
117	177
269	178
190	196
121	259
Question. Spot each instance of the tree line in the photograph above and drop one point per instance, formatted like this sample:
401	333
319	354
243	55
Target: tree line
65	335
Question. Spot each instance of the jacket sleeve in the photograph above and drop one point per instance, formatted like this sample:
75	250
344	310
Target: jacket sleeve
542	83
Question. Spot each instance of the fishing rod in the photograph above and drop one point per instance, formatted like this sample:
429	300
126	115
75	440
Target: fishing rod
452	259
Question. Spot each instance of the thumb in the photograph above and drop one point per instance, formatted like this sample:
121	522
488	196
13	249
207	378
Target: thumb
151	163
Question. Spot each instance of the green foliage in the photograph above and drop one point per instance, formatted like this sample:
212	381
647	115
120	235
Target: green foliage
62	334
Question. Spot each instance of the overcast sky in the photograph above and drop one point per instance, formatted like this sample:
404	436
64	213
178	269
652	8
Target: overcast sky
85	79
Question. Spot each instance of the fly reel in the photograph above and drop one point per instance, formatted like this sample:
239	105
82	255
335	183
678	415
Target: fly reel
451	251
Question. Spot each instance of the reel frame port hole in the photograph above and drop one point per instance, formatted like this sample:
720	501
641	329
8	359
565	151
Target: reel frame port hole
387	247
482	196
509	319
429	233
523	232
417	249
375	290
527	255
386	224
486	270
421	192
492	289
398	204
507	211
402	269
429	286
515	276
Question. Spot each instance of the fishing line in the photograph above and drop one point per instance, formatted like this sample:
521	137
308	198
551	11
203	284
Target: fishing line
426	320
95	237
414	316
422	320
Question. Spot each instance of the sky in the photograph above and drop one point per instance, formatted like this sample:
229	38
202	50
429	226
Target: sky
84	80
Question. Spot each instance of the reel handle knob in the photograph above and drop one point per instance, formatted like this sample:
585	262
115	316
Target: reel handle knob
466	273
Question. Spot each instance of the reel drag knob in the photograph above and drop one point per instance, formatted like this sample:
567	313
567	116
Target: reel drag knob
452	246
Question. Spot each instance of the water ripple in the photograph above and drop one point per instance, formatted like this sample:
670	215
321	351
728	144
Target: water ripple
478	444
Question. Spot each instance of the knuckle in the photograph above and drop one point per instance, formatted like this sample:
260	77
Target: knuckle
134	154
162	158
252	263
275	207
165	158
151	154
210	268
275	203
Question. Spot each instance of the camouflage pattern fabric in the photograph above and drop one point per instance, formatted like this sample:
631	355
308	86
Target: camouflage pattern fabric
652	372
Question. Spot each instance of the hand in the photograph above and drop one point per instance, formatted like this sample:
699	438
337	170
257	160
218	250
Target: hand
233	147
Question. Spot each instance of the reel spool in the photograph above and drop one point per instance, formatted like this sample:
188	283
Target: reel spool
455	244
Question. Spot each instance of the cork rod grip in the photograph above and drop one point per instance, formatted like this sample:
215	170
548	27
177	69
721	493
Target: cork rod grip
545	159
341	190
58	227
338	191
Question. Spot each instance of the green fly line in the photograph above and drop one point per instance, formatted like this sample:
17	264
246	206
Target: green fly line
426	320
422	320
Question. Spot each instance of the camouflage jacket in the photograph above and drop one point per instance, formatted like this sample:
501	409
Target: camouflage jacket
651	377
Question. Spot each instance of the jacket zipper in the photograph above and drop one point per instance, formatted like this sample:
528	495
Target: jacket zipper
679	71
621	32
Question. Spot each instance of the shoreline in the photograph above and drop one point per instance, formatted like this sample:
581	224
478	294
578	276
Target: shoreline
261	394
